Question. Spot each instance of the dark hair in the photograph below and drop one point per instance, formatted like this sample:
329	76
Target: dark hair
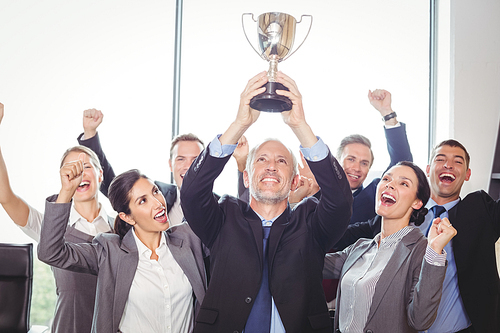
119	197
184	137
354	138
423	193
451	143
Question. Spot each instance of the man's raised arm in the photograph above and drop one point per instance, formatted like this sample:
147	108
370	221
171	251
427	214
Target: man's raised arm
395	131
92	118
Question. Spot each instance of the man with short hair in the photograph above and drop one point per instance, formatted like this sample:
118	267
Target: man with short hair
183	151
471	289
266	259
356	157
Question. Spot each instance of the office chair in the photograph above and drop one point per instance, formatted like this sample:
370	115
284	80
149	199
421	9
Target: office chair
16	285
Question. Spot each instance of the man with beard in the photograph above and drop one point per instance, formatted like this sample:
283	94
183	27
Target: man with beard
266	260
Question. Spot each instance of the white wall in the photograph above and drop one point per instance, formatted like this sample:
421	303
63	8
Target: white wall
475	83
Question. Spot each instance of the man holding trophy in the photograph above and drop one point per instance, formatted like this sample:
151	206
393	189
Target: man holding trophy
266	260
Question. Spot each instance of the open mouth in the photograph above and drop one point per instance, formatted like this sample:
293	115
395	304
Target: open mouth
268	179
161	216
83	185
353	176
387	199
447	177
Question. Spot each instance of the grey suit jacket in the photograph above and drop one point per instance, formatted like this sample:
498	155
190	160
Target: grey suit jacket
408	293
114	261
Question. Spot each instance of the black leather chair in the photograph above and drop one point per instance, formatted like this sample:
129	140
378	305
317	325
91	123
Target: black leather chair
16	283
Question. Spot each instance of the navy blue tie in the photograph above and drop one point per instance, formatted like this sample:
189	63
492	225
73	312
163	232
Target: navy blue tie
437	210
259	320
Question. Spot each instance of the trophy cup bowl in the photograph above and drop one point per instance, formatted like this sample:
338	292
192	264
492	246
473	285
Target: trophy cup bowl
276	35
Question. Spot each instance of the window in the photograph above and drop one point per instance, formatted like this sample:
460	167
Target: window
59	58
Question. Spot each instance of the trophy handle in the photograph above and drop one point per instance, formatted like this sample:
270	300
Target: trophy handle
309	30
246	36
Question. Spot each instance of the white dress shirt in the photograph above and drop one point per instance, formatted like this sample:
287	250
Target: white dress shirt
161	297
35	219
175	215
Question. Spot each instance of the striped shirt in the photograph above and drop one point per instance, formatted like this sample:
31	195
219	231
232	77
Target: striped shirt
359	282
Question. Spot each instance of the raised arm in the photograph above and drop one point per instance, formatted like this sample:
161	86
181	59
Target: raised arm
395	132
295	118
426	293
52	248
198	203
333	211
92	118
240	154
246	116
17	209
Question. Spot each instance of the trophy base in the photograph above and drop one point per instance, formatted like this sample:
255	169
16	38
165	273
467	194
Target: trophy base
270	101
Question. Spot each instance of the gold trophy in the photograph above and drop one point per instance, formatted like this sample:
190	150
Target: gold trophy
276	34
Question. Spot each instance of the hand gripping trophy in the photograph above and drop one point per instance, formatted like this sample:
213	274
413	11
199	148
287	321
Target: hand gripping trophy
276	34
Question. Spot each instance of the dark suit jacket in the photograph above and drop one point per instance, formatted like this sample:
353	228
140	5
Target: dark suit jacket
298	242
114	261
169	190
477	220
406	296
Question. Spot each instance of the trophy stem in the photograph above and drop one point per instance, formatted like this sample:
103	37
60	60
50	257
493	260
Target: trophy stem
273	68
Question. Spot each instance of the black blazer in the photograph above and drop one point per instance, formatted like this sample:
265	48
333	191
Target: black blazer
298	242
169	190
477	220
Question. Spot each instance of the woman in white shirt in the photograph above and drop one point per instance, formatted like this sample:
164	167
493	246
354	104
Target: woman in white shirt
75	291
393	283
150	278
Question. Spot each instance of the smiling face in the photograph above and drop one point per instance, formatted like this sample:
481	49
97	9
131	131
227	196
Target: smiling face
147	208
92	178
183	155
447	172
397	193
356	161
272	173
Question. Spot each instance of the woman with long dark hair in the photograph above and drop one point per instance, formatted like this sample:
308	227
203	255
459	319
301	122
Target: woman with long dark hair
151	278
393	282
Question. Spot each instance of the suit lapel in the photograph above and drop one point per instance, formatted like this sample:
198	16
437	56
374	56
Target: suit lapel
125	272
276	232
398	258
357	253
256	226
186	260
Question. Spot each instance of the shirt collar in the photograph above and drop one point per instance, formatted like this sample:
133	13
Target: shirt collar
394	238
143	249
267	223
449	205
75	217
